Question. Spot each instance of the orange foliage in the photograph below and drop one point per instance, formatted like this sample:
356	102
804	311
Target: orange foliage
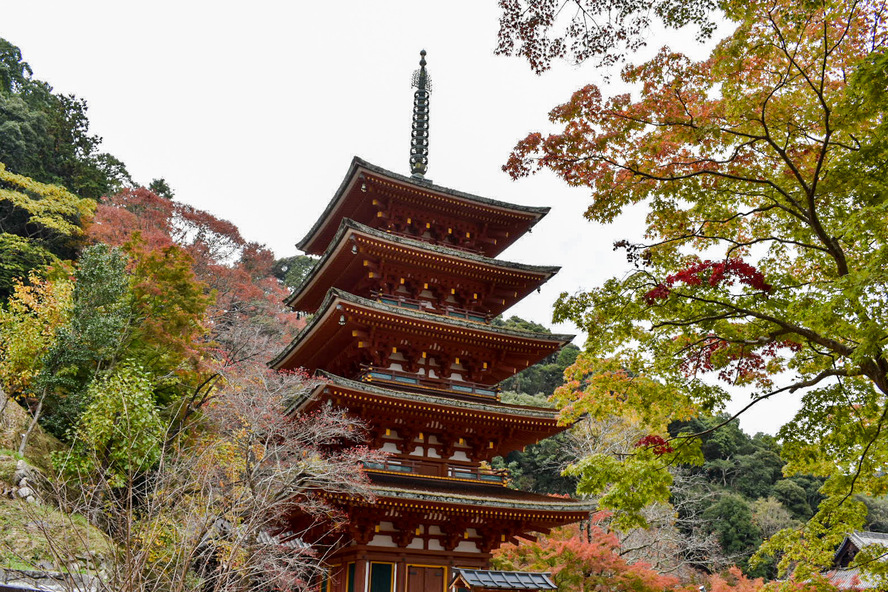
590	560
237	272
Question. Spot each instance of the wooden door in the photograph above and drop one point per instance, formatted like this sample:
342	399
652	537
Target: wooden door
425	579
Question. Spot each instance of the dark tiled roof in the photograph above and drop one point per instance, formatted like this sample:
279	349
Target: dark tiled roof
860	539
334	293
863	538
505	580
544	413
850	579
564	339
348	223
539	212
462	492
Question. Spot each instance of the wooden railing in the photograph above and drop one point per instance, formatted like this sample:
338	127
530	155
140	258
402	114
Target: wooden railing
432	469
429	307
401	378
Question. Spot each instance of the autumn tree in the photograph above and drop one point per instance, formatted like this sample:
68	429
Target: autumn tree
582	563
234	504
179	444
605	31
29	356
762	171
40	224
588	558
61	335
241	274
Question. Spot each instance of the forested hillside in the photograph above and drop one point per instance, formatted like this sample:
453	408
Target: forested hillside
134	332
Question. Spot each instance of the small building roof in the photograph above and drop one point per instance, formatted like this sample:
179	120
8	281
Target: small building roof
845	578
856	541
504	580
851	579
863	538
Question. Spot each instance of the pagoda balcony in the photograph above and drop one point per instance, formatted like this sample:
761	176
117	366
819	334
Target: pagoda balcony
476	250
430	307
433	469
400	378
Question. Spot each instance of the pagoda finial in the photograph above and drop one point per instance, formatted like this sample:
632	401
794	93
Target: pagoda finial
419	138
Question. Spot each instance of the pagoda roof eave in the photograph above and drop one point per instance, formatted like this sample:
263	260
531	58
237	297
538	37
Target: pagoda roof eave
347	224
335	294
535	213
531	503
540	413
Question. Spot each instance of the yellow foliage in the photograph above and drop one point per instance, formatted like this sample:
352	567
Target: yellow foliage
52	207
28	328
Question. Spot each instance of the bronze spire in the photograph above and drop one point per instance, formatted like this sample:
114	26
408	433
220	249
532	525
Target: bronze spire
419	138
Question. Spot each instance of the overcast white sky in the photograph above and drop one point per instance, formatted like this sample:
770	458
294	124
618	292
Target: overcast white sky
253	111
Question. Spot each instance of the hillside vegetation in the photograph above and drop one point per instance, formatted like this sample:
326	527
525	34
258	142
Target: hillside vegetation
144	441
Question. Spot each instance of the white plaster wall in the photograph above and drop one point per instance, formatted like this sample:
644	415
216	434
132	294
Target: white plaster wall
467	547
382	540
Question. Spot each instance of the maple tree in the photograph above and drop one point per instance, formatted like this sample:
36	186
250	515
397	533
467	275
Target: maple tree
762	171
240	273
586	558
606	30
63	333
179	445
246	320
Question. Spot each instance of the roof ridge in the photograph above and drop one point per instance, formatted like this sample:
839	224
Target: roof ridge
482	327
538	211
557	504
499	407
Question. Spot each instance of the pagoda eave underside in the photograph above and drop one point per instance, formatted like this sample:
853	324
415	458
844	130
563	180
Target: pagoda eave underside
349	330
359	252
496	513
510	427
431	506
365	182
537	515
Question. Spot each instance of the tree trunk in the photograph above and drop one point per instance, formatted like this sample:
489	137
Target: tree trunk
33	424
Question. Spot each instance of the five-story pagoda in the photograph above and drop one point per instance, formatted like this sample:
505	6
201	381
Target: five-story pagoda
402	299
